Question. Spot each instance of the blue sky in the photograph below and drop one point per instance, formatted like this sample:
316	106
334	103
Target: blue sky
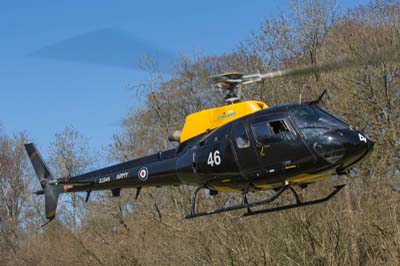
42	96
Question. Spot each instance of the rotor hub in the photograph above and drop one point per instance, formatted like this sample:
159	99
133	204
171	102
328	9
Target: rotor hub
231	82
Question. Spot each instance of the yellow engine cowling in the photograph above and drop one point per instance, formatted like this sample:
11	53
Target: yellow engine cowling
209	119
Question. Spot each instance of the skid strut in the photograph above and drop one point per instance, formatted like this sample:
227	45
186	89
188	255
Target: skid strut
248	205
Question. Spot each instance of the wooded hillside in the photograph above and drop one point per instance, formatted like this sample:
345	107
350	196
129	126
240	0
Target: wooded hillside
360	226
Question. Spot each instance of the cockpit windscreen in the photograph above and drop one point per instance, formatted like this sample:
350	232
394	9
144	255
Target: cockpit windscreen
312	121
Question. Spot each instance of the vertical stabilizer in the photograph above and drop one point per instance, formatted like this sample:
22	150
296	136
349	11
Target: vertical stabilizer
50	191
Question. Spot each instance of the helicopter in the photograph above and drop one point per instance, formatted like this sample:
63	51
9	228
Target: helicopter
242	147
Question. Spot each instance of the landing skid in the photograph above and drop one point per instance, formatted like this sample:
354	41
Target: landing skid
245	204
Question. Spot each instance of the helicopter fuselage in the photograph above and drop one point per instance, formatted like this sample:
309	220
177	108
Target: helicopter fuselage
297	144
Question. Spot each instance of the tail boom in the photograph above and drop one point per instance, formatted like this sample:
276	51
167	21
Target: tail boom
155	170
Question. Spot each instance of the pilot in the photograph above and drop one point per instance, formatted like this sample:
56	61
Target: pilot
242	142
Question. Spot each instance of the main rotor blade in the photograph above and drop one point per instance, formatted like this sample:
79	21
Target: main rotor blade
108	47
389	55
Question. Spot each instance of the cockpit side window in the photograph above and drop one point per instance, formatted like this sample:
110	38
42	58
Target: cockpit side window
240	135
278	127
261	130
271	131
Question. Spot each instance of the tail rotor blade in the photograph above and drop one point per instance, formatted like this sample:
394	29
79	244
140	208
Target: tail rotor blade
51	192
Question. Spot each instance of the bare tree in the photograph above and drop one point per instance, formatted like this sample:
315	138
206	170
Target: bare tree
70	155
14	182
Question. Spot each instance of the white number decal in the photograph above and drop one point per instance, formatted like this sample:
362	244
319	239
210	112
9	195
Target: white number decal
217	158
214	158
210	160
362	138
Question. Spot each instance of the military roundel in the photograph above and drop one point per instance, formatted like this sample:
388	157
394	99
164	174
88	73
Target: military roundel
143	173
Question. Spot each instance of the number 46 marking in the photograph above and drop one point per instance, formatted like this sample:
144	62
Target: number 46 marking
214	158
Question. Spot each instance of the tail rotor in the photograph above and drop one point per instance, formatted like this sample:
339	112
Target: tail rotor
50	190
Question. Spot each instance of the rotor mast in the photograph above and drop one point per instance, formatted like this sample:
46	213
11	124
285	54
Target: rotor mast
233	82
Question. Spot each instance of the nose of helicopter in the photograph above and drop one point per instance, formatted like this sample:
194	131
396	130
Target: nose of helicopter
357	147
343	147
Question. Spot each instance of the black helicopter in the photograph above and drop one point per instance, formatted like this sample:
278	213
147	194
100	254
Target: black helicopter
243	146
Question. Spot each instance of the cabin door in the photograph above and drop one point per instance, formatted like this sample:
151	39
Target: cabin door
278	146
246	155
